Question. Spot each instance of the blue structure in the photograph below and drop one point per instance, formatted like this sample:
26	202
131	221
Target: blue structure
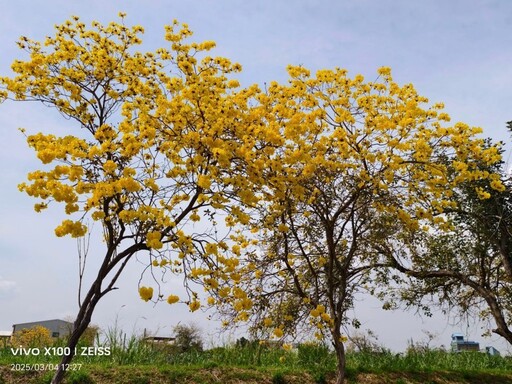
491	351
458	344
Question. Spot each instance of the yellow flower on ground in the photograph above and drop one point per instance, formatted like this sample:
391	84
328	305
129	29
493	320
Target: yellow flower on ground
278	332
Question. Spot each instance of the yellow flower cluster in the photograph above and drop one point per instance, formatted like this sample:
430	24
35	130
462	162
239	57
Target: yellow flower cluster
69	227
171	299
153	240
146	293
194	305
278	332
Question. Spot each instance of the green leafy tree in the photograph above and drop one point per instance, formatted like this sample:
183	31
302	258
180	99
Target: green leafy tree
187	338
468	269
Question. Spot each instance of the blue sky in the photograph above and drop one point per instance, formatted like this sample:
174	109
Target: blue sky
457	52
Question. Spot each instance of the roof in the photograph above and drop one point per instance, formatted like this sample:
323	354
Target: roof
159	338
5	333
43	321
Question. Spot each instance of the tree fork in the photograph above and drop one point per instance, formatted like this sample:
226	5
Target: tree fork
92	298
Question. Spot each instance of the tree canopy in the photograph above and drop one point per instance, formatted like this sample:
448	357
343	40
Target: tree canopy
356	164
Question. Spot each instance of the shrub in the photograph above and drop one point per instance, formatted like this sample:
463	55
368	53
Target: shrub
35	337
89	336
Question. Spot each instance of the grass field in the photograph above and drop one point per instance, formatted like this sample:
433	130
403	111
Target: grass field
136	362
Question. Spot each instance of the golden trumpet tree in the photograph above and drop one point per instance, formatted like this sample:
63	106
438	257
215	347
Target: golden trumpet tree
154	145
345	161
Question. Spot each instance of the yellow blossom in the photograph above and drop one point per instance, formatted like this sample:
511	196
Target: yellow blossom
146	293
194	305
278	332
171	299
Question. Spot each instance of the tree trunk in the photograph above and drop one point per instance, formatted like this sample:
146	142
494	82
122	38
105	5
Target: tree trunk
505	333
95	293
340	356
502	328
339	349
81	323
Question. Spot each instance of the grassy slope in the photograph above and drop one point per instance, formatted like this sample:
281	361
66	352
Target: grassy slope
232	375
138	363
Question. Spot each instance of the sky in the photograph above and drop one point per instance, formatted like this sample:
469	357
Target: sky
456	52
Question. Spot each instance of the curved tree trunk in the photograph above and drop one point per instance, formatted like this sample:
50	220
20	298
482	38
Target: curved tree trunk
502	328
81	323
95	293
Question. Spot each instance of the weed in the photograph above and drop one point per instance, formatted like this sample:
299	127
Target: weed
278	378
319	377
45	379
313	356
210	365
79	377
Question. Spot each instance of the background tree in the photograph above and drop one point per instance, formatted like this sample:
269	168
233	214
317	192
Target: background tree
187	338
155	148
349	159
89	336
468	269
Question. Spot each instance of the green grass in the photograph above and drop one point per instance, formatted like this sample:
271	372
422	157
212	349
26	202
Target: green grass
428	361
257	363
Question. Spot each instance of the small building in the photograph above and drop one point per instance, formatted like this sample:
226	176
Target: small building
491	351
58	328
5	338
159	340
458	344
